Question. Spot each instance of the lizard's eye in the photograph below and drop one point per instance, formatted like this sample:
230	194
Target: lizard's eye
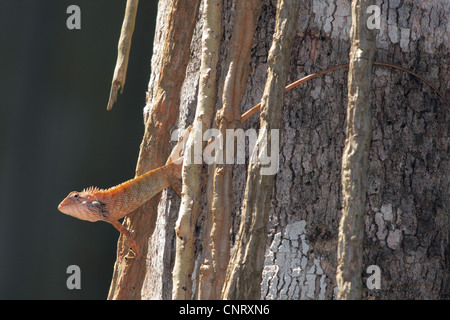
75	196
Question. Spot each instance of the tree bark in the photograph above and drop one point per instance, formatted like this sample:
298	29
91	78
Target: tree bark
243	280
407	222
216	247
193	160
128	277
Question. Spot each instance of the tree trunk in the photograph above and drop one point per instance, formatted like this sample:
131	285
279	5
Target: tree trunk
245	266
192	166
161	114
407	222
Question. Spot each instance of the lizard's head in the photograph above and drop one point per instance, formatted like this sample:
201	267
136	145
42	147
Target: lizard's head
83	205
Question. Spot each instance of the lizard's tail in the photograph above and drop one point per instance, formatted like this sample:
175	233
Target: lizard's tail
249	113
176	160
175	155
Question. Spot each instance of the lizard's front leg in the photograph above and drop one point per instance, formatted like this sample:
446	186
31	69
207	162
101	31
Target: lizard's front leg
124	231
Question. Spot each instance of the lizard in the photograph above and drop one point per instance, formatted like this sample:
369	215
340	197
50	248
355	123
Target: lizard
109	205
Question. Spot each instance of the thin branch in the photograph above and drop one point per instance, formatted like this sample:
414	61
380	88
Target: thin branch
217	242
192	165
123	52
244	273
355	159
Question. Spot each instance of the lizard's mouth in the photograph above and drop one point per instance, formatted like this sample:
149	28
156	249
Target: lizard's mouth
63	204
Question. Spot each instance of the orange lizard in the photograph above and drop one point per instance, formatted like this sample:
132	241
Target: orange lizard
110	205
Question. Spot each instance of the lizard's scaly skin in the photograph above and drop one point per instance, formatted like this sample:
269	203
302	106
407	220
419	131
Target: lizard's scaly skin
112	204
130	195
93	204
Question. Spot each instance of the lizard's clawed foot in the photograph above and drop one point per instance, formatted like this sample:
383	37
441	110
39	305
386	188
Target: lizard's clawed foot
134	246
131	240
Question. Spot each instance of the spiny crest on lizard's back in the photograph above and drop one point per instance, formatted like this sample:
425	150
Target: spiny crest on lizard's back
91	190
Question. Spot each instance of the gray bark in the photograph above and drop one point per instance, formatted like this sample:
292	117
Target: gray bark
246	264
407	206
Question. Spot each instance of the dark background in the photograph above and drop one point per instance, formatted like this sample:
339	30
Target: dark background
56	136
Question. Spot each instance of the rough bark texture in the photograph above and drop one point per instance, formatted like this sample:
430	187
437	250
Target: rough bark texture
162	111
192	166
243	279
407	217
216	245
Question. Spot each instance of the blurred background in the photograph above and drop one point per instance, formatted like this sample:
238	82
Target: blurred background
56	137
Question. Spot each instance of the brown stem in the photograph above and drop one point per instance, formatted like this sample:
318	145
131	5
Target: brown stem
123	52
